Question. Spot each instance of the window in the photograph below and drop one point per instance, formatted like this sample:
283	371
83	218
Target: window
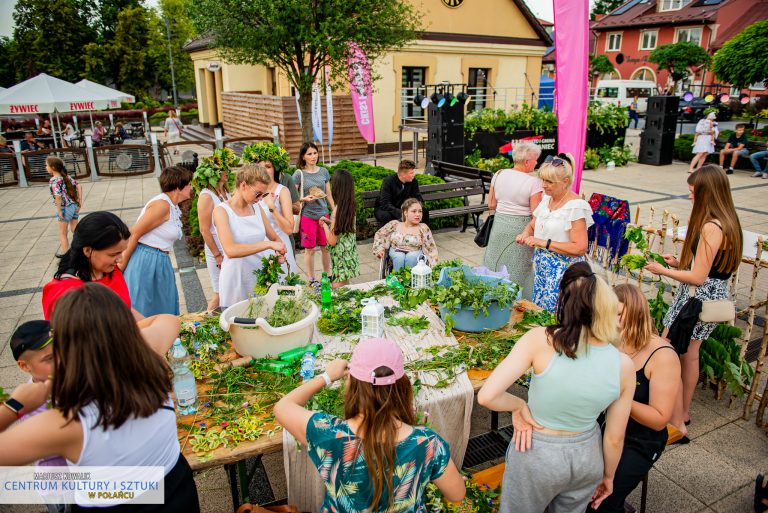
643	74
613	44
692	35
648	39
672	5
608	92
478	88
413	77
640	92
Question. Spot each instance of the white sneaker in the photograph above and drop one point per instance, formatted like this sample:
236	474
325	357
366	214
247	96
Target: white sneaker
757	174
765	175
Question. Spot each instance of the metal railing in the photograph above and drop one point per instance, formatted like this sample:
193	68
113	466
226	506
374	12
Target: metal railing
9	172
124	159
479	98
75	160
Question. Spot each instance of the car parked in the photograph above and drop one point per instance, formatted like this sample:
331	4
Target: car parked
693	110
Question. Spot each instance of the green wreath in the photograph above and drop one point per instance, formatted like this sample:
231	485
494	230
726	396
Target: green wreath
266	151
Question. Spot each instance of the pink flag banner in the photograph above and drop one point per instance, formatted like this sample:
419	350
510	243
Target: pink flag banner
362	90
571	80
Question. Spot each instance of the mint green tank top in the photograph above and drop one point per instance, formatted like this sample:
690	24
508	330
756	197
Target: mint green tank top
570	394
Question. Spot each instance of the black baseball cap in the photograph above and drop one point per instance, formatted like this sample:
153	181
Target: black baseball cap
30	335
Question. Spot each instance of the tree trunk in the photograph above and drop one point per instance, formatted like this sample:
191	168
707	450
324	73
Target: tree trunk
305	108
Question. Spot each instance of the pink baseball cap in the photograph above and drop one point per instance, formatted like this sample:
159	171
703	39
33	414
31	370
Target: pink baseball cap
373	353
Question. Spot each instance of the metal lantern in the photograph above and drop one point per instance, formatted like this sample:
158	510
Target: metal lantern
372	318
421	275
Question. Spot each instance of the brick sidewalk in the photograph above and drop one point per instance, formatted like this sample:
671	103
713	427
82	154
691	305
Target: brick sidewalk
712	474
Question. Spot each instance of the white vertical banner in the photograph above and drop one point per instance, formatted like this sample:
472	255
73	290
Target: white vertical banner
317	113
298	108
329	106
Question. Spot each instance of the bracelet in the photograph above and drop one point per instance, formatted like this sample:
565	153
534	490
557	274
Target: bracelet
14	405
327	378
549	241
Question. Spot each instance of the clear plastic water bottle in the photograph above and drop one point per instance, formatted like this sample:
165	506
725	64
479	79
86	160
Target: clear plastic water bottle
183	380
308	366
325	292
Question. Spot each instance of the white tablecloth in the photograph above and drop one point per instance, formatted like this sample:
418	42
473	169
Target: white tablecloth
449	408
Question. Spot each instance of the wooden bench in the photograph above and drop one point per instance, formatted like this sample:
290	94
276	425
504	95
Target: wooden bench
456	189
742	162
453	172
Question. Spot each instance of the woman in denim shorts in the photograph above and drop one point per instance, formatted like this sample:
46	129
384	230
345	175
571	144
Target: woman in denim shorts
66	195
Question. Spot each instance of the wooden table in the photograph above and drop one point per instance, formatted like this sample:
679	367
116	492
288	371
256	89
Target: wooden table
233	458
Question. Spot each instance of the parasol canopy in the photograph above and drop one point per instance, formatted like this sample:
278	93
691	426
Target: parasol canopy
45	94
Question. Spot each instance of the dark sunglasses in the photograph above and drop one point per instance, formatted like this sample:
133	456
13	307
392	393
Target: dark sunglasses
258	194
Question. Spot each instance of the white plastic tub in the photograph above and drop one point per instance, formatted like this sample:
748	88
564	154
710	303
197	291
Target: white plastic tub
259	339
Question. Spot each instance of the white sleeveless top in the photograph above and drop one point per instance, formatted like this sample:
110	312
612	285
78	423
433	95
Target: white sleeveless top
236	280
151	441
163	236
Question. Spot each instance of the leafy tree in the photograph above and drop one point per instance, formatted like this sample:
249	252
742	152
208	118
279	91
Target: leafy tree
299	36
599	65
743	60
181	30
49	37
108	12
129	51
7	60
604	7
678	58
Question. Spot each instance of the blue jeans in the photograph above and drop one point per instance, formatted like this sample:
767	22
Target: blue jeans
400	259
633	117
755	158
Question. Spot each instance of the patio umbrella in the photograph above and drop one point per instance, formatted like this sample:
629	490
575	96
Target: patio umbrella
45	94
117	96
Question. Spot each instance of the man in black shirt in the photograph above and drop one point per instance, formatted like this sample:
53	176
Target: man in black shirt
395	189
736	145
30	143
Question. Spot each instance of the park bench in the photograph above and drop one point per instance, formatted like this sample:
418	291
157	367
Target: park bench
742	162
453	172
455	189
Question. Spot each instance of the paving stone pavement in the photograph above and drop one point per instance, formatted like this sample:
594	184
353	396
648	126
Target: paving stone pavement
714	473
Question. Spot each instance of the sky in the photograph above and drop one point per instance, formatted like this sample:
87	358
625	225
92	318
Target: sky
541	8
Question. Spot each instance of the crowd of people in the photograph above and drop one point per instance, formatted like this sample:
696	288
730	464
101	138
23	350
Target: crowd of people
737	145
604	386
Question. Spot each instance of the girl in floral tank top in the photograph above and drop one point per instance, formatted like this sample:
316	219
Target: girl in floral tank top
66	195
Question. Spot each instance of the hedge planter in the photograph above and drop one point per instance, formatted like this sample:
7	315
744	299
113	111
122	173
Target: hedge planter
490	142
595	139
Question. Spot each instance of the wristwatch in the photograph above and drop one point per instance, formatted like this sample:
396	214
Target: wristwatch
327	378
14	405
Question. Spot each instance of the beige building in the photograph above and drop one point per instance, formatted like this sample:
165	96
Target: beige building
495	47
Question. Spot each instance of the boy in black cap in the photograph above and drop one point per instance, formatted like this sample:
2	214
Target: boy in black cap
32	348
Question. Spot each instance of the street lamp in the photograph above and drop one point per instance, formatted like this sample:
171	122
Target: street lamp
170	57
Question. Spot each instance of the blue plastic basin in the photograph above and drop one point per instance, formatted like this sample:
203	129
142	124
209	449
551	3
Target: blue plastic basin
464	319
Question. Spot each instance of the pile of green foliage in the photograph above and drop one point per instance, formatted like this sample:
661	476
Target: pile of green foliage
620	155
721	360
475	160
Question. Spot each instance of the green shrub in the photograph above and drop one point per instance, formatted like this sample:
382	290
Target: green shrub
493	164
620	155
683	147
591	159
158	115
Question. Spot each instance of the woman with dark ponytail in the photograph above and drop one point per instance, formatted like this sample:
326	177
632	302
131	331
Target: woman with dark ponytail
67	196
557	461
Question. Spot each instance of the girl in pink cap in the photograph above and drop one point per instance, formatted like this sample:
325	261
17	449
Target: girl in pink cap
386	461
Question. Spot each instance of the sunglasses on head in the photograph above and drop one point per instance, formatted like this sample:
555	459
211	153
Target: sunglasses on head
559	160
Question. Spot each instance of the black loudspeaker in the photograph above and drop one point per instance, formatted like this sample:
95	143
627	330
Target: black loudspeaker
445	133
661	124
658	105
656	148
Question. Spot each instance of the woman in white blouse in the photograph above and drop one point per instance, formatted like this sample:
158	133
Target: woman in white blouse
558	230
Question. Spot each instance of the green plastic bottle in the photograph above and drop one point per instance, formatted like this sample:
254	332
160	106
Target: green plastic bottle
274	366
325	292
394	284
295	354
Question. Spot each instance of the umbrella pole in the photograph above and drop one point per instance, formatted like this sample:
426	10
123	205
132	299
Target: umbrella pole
53	130
90	114
61	136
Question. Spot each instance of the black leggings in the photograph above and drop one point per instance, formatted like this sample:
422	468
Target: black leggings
636	461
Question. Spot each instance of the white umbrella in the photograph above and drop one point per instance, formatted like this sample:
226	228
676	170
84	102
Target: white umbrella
45	94
117	96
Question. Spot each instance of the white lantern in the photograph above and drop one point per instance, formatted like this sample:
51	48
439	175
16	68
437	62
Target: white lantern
372	317
421	275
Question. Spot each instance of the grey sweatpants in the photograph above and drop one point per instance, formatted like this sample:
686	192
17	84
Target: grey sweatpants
559	472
